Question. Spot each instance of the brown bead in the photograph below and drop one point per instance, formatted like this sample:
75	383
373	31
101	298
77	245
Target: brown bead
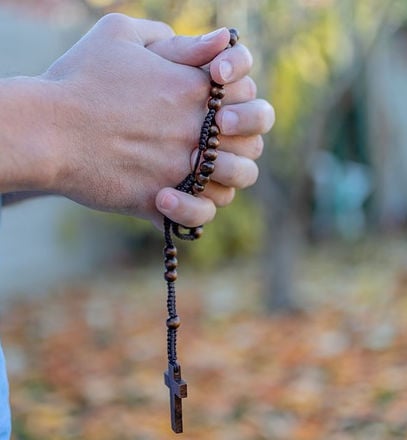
170	275
198	187
170	251
171	263
173	322
215	104
202	179
213	142
214	130
207	167
215	84
234	36
197	232
217	92
210	154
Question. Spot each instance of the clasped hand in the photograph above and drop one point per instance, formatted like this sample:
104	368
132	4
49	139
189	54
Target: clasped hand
124	110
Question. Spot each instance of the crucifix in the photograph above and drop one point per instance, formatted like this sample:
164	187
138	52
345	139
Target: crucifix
178	390
193	184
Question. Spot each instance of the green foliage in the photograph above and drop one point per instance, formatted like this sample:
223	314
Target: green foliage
236	232
186	17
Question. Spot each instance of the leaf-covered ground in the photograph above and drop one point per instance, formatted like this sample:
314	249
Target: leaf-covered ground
87	361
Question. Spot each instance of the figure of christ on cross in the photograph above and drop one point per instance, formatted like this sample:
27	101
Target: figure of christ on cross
178	390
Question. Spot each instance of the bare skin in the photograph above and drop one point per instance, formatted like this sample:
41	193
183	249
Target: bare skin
114	122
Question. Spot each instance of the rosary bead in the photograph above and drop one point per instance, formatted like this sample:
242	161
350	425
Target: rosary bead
202	179
215	84
234	36
217	92
207	167
210	154
197	232
213	142
214	130
198	187
170	251
173	322
194	183
215	104
171	263
170	275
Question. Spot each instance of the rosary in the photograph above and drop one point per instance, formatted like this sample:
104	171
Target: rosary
194	184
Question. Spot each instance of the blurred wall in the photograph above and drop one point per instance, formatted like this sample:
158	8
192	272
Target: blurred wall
33	251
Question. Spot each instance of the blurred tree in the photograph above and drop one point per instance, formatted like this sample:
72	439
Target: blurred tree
311	58
311	54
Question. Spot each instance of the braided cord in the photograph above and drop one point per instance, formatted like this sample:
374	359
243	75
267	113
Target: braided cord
194	183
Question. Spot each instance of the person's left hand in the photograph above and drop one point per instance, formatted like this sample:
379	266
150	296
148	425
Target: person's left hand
242	120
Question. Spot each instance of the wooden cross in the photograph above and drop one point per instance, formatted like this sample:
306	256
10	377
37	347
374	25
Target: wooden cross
178	390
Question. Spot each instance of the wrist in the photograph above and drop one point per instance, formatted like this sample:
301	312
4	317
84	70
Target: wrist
28	157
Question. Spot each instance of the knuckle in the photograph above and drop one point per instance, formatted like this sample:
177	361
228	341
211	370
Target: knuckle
249	174
249	57
211	213
258	147
252	88
244	56
226	198
203	212
166	29
232	170
265	117
114	21
254	175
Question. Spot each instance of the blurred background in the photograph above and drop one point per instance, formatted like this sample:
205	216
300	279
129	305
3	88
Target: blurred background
293	303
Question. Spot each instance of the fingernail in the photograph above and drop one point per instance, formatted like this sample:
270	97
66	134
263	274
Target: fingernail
229	122
169	202
212	34
226	70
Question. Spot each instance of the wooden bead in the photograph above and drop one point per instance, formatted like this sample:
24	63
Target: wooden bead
234	36
217	92
213	142
215	84
171	263
207	167
214	130
198	187
170	275
170	251
210	154
202	179
215	104
173	322
197	232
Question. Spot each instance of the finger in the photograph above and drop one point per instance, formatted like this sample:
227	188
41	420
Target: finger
248	146
138	30
185	209
220	195
240	91
245	119
193	51
231	64
232	170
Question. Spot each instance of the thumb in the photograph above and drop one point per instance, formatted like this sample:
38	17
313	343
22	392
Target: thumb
192	51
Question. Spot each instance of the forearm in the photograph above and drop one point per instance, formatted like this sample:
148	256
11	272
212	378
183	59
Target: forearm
26	156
